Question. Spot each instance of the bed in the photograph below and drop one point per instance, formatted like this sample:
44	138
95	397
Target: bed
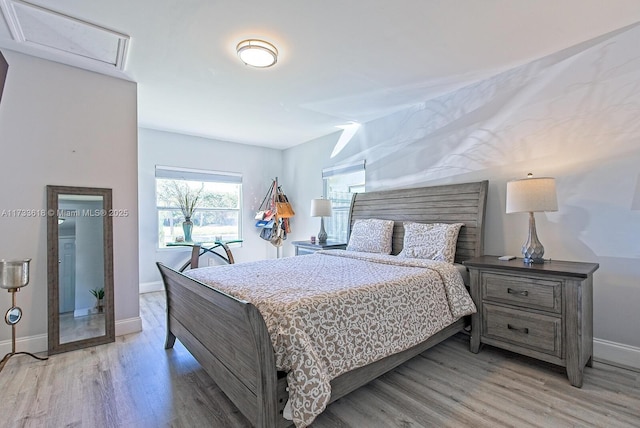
234	344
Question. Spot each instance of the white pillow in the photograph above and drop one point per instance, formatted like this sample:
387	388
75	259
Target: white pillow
371	236
434	241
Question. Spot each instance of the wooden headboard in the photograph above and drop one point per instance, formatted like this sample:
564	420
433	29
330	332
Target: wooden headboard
451	203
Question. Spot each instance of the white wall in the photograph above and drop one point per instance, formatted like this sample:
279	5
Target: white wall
60	125
258	166
303	166
573	116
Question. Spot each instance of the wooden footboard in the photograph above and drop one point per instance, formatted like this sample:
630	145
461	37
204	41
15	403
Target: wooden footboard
229	338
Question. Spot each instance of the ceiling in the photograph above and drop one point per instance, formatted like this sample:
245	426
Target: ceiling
340	61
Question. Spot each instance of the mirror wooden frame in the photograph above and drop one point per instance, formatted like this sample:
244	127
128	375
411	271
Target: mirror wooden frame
53	193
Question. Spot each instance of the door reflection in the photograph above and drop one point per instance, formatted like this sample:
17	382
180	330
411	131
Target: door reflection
80	267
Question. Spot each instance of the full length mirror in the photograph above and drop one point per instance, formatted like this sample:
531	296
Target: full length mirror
80	267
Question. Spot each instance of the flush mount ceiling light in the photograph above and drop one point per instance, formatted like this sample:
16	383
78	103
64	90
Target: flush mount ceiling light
257	53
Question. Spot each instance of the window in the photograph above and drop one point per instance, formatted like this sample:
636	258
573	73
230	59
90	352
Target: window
218	212
340	183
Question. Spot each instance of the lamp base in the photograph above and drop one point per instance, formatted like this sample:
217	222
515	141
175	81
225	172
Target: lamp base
532	249
322	235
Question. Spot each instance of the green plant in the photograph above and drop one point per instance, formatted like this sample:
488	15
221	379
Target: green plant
98	293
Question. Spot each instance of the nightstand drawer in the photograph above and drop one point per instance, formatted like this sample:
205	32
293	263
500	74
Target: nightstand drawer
301	251
526	292
539	332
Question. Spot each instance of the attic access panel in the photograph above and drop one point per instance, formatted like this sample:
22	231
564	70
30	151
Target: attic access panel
62	34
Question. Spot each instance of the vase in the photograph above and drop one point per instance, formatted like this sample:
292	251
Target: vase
187	227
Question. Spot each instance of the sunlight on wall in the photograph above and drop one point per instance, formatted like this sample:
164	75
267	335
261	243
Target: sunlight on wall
575	105
348	131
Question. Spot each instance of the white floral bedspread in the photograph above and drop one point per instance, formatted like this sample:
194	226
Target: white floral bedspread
334	311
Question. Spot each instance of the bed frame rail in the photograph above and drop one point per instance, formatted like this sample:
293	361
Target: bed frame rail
244	369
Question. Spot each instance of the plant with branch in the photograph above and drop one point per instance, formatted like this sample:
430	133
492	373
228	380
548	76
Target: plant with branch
183	195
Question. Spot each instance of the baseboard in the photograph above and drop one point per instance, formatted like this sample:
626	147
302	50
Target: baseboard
617	354
33	344
128	326
39	343
603	350
150	287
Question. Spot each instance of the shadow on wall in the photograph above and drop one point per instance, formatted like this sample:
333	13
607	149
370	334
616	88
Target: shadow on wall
578	104
575	223
4	66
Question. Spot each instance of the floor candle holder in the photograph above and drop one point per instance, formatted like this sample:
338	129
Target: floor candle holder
14	274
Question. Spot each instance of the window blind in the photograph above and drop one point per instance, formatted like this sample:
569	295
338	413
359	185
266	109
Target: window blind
343	169
197	175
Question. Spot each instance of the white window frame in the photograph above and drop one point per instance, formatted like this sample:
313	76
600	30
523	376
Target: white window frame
337	225
188	174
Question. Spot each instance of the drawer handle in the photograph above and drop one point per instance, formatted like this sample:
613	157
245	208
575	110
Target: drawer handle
521	330
521	293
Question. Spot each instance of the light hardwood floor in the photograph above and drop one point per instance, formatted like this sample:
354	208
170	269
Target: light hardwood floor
134	382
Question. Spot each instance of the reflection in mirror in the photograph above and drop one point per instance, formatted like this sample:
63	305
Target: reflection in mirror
80	268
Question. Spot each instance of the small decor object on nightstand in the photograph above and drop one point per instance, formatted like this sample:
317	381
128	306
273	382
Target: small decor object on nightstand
532	195
321	208
14	274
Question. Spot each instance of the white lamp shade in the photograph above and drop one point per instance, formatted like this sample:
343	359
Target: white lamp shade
532	195
320	208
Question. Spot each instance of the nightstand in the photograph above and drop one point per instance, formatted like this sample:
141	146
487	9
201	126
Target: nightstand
543	310
306	247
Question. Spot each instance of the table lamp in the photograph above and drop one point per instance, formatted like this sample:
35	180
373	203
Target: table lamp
321	208
532	195
14	274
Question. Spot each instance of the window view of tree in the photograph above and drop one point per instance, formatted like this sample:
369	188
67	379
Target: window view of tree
214	209
180	193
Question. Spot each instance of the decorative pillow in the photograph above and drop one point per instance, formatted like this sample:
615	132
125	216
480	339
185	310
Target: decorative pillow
435	241
371	236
